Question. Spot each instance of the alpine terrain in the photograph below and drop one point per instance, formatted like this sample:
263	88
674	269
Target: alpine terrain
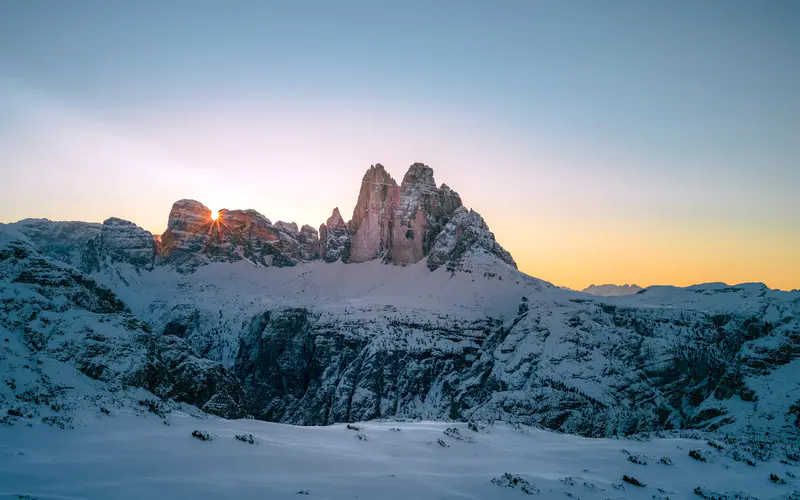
409	315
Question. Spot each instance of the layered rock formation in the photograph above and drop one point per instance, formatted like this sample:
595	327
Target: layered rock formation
334	238
373	215
465	233
59	313
422	211
322	344
398	224
192	238
91	246
301	245
123	241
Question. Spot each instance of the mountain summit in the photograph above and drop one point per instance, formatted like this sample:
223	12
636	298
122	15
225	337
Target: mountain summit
411	309
396	223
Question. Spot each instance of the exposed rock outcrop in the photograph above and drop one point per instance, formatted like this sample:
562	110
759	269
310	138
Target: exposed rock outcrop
192	238
372	216
301	245
91	246
422	211
62	314
123	241
188	226
334	239
398	224
466	233
309	243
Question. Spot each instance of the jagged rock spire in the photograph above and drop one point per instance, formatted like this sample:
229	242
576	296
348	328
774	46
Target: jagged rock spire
372	215
334	238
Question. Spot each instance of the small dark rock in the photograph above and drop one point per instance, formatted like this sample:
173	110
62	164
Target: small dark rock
201	435
697	455
510	481
637	459
246	438
632	480
776	479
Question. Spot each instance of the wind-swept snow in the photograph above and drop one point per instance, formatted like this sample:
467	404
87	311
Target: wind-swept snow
128	455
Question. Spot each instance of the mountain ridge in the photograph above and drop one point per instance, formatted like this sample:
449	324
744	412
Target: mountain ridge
242	316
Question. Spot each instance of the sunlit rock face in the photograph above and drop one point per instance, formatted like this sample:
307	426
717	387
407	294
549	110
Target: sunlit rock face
398	224
465	233
334	238
372	216
192	238
422	211
187	227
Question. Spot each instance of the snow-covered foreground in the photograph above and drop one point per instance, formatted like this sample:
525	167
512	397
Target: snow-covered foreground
132	456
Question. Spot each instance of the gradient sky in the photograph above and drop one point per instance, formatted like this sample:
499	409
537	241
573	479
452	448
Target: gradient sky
603	142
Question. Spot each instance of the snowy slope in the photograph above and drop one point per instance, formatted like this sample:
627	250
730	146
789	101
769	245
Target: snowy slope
132	455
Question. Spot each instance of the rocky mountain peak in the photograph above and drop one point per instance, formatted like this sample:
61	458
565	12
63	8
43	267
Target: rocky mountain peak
418	179
91	246
465	234
192	238
334	238
372	215
396	223
421	212
124	241
300	244
185	225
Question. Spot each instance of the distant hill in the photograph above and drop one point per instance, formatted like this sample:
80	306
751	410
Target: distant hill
612	290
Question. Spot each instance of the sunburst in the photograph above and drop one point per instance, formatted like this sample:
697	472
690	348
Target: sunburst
215	219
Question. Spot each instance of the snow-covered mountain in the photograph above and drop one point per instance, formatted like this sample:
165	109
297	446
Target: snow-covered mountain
610	290
411	310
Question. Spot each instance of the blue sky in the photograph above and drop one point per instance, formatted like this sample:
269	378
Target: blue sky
672	117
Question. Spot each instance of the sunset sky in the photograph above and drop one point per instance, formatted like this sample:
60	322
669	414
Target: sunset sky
603	142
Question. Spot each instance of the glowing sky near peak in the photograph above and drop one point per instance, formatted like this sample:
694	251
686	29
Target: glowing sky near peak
621	142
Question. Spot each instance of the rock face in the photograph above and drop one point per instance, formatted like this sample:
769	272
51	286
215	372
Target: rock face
123	241
466	232
422	211
398	224
91	246
56	312
334	239
300	245
373	214
309	243
578	365
311	346
192	238
187	227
